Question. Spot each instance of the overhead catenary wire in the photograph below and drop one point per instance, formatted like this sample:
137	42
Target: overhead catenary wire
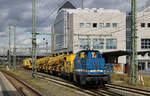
47	19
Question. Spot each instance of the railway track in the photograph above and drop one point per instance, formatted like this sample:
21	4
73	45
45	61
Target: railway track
91	92
129	90
22	87
111	89
65	83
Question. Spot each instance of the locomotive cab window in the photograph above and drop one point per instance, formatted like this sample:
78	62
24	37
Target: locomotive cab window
90	55
94	55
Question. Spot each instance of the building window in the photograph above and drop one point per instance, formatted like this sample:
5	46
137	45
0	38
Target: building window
88	25
148	25
95	11
111	43
141	65
107	25
94	25
145	43
101	25
81	25
98	43
142	25
114	25
85	43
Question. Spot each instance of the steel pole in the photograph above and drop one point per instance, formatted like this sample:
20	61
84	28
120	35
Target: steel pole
14	51
9	46
134	65
34	67
46	46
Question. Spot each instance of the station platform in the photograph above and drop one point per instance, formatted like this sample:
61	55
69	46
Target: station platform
6	88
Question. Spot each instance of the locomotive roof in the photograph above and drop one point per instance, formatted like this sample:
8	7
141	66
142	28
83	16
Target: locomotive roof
88	51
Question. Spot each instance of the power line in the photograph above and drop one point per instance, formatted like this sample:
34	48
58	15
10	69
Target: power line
49	13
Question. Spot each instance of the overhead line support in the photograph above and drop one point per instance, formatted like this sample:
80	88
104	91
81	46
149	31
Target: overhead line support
9	46
34	57
14	51
134	64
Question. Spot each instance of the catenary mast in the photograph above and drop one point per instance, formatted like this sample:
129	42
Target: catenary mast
34	67
134	64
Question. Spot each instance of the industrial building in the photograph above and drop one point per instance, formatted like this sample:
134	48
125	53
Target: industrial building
106	30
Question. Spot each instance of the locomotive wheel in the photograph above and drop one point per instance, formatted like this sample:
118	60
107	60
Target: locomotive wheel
102	83
82	81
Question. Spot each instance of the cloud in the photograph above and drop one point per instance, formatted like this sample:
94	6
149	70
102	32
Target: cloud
21	11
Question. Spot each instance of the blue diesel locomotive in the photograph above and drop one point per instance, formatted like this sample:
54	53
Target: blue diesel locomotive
90	68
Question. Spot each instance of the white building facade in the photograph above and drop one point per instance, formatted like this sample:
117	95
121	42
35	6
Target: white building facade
98	29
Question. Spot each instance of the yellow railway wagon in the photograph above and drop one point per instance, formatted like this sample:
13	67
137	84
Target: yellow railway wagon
55	64
69	63
62	64
27	63
42	63
39	63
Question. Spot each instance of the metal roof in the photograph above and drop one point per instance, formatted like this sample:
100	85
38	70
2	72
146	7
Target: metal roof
67	5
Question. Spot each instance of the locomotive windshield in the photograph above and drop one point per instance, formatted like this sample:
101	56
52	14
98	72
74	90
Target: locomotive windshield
90	54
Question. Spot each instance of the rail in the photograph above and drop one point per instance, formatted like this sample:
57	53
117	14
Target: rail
129	89
92	92
20	89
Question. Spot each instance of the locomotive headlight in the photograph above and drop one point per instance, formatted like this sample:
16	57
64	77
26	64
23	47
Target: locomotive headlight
94	70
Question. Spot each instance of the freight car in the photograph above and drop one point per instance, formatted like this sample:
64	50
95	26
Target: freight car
86	67
27	63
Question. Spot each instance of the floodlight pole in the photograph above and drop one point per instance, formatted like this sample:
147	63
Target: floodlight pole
134	65
34	67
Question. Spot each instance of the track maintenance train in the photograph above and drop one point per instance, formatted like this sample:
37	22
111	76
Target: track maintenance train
86	67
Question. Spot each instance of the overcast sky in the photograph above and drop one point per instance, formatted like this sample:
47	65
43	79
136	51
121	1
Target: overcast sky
21	11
